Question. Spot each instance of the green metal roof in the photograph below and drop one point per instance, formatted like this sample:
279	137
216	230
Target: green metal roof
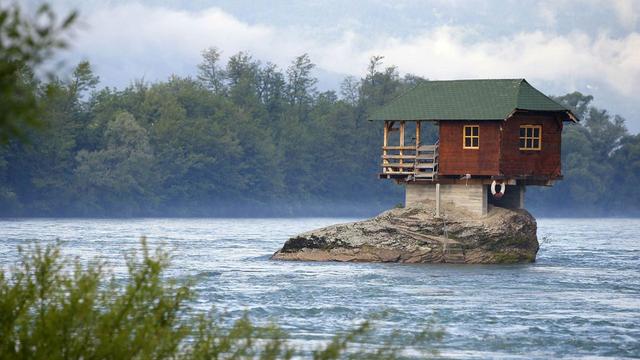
488	99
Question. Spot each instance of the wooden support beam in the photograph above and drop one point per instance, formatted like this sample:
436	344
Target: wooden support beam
488	181
407	157
401	139
412	148
398	165
385	142
417	143
386	134
438	200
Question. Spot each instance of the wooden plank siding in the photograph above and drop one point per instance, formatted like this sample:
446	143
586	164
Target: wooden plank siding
498	153
454	160
543	162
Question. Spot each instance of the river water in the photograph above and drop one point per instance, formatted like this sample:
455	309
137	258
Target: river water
581	299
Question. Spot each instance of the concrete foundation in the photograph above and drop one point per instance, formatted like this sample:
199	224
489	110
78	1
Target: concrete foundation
473	198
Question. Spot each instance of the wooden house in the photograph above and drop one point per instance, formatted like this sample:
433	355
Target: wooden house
495	137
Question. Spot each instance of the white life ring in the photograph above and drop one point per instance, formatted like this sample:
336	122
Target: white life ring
503	188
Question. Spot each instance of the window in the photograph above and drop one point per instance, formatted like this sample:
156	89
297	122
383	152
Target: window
531	137
471	137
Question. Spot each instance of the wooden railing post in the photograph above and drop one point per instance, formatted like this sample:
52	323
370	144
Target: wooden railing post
437	199
407	160
415	161
401	143
385	143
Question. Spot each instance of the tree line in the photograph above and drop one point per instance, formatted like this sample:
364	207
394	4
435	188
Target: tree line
52	307
245	137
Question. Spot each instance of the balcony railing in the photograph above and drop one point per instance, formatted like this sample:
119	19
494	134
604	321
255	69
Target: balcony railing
410	162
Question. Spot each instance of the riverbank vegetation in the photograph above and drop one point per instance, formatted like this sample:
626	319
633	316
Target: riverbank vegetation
247	138
52	307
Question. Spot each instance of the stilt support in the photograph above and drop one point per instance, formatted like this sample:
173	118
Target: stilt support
438	200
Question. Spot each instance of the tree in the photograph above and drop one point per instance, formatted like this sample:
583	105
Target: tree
241	66
83	79
55	308
243	75
588	162
301	84
350	90
9	203
25	45
626	164
121	172
209	71
578	102
250	150
271	90
380	85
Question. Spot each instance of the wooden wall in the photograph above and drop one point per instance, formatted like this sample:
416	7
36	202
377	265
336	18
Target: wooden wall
454	160
499	153
544	162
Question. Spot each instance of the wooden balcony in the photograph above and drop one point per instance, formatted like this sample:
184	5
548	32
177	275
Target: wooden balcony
410	163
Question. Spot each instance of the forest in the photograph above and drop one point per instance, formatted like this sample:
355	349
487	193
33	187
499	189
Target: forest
247	138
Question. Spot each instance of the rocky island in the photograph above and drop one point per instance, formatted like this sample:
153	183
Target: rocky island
416	235
465	191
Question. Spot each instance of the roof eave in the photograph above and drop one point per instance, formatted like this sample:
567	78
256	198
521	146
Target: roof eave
423	119
572	117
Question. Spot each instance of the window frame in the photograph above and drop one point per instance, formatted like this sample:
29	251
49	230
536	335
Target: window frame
532	137
465	137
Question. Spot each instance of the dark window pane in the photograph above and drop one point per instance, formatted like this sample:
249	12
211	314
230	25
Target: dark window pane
467	131
521	132
529	132
475	142
529	143
467	142
536	132
521	143
536	143
475	131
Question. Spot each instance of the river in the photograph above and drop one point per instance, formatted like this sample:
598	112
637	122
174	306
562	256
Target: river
581	299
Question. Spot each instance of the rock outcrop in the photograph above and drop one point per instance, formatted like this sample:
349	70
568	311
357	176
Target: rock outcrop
416	235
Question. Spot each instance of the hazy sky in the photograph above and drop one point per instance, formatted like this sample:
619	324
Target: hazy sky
559	46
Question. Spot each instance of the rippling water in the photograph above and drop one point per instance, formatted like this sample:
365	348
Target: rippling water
580	299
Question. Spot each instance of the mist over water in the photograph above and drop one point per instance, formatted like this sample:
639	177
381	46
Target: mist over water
580	299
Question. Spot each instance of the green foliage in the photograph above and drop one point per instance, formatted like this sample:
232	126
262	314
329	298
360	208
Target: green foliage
240	138
24	44
209	71
121	170
626	164
55	308
599	163
247	138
